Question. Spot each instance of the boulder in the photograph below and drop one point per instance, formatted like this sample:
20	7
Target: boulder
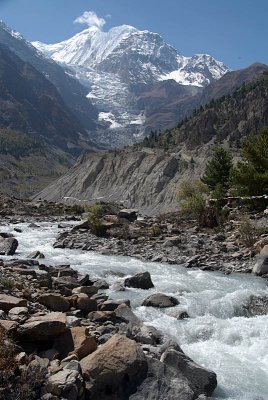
88	290
160	300
114	370
140	281
36	255
261	266
111	305
143	334
9	327
179	314
8	246
86	304
255	305
43	328
172	241
19	314
201	381
67	384
75	341
130	214
54	302
8	302
163	382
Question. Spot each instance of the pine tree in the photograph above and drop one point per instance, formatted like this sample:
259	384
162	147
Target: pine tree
217	172
250	177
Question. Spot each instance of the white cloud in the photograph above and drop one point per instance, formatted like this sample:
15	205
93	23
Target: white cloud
90	18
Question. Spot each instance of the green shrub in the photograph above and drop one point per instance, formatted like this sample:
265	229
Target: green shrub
247	232
94	214
192	198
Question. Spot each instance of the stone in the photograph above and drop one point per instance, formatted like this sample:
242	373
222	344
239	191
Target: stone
130	214
143	334
8	302
73	321
140	281
66	383
76	341
101	317
261	266
8	246
172	241
111	305
201	381
160	300
255	305
19	314
10	327
36	255
101	284
115	369
86	304
88	290
43	328
179	314
163	382
54	302
117	287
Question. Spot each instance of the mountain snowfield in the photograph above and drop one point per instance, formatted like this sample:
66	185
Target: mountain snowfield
119	65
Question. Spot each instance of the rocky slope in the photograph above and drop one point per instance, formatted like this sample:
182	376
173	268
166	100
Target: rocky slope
39	136
31	104
119	66
71	91
150	178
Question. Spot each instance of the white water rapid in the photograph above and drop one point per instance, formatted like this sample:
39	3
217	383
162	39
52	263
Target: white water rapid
234	347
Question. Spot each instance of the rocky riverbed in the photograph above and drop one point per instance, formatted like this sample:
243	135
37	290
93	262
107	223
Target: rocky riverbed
168	241
108	329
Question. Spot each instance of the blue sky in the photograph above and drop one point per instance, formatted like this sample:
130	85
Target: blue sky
233	31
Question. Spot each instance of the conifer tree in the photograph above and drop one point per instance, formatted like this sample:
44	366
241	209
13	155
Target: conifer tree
217	172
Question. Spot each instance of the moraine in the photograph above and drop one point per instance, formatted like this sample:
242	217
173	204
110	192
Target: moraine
234	347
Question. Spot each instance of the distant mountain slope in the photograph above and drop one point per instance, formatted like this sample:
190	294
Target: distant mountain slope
71	91
39	136
32	105
149	178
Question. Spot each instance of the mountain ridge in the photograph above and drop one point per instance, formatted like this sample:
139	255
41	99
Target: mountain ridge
149	177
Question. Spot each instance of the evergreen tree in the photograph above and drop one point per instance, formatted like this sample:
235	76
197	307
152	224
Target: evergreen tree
217	172
250	177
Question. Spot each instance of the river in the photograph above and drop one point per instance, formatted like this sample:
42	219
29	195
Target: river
234	347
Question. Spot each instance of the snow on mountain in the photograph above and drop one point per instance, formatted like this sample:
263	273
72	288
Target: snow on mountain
117	66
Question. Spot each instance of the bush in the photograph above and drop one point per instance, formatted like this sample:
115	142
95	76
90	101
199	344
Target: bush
248	232
192	198
94	214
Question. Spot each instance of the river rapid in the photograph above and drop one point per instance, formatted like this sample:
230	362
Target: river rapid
234	347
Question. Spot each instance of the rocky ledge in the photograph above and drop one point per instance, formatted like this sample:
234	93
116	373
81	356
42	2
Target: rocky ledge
62	338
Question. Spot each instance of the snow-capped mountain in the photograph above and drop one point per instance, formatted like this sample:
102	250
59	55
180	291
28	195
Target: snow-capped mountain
136	56
119	66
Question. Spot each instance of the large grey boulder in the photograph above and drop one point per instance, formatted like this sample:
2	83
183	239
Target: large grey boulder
8	302
175	376
261	266
43	328
114	370
160	300
163	382
140	281
8	246
54	302
200	380
67	383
